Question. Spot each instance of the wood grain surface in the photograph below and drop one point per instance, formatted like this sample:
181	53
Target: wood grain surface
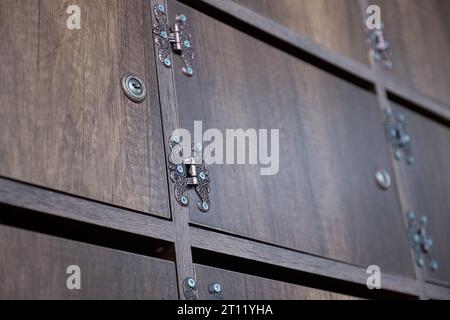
324	200
337	25
65	122
34	267
419	33
238	286
427	184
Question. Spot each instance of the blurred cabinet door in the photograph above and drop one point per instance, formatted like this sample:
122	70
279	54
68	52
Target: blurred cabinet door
65	122
427	185
419	33
34	266
323	200
238	286
337	25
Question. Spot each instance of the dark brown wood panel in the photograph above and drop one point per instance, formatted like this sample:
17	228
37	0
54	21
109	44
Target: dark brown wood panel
337	25
419	34
34	267
238	286
324	199
428	184
66	123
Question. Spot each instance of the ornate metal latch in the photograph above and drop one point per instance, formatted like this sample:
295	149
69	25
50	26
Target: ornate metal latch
175	37
380	46
189	172
421	242
399	138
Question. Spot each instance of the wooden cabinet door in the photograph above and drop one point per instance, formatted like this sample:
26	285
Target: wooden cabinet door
337	25
427	185
238	286
324	199
418	33
34	266
65	122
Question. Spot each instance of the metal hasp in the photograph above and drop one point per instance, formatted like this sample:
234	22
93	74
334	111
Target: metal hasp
190	288
216	290
379	46
189	173
398	136
421	242
174	38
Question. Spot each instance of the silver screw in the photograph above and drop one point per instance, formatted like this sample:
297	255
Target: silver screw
191	283
205	205
184	200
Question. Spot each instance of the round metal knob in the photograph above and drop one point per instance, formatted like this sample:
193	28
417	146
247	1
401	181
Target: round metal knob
383	179
134	88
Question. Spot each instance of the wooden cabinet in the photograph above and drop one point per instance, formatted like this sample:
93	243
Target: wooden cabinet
35	266
74	147
336	25
324	199
427	185
418	33
238	286
65	122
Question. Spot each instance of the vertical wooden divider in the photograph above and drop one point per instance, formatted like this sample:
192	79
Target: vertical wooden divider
383	102
170	122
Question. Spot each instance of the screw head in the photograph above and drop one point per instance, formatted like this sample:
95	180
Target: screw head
187	44
424	220
167	62
183	18
184	200
176	139
217	288
205	205
405	139
202	175
180	169
164	34
434	265
161	8
388	111
191	283
411	215
420	262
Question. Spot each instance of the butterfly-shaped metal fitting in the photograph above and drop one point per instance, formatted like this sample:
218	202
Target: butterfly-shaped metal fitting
398	136
379	46
176	38
421	242
188	173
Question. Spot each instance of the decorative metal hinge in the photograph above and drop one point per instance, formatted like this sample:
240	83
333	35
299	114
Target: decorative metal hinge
421	242
190	288
379	46
398	136
216	290
175	37
189	172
